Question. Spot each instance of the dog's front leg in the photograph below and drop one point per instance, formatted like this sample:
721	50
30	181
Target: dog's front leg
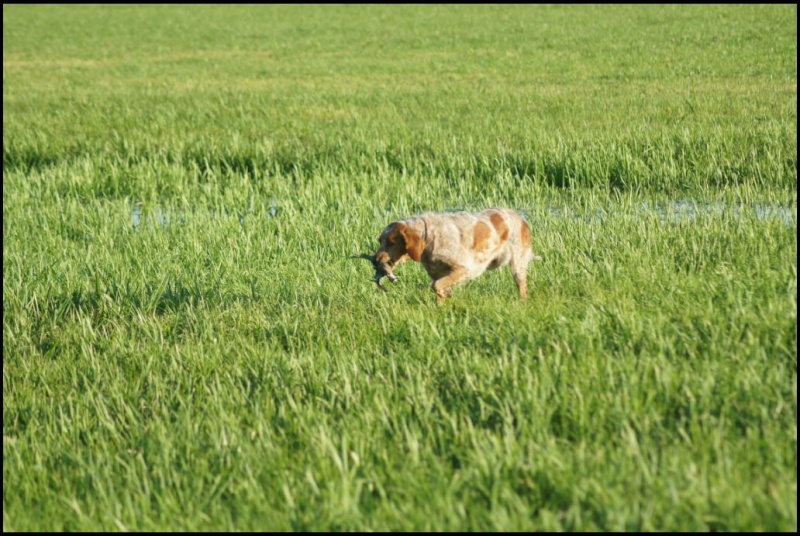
442	286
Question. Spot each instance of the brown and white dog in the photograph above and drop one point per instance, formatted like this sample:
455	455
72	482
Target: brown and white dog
457	247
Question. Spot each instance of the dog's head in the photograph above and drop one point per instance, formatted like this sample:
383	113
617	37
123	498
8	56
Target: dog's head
398	243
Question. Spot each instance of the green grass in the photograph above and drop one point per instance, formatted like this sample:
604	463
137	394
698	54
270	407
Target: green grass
188	346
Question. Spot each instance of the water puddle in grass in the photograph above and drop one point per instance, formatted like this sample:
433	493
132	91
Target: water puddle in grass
667	212
163	217
685	210
689	210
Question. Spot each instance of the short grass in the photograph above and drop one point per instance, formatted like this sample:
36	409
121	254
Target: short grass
188	346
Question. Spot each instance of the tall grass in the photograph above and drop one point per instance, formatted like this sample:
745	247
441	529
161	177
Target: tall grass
188	346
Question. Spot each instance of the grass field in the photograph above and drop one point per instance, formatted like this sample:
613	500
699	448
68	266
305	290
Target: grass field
189	346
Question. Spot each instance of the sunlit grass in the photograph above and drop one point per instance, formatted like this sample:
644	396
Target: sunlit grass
189	346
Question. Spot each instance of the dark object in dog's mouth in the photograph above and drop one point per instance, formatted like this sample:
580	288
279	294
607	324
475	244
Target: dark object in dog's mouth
391	277
380	271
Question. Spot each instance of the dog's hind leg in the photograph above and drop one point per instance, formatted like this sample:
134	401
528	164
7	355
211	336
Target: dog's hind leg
519	269
522	256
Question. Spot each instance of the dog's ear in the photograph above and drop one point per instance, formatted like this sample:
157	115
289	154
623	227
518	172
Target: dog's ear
389	234
414	243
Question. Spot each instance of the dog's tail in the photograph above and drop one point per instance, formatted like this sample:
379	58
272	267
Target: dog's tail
535	257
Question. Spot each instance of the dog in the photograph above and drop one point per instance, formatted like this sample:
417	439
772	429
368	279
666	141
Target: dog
456	247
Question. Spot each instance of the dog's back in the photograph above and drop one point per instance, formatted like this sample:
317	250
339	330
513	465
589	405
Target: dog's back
475	241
